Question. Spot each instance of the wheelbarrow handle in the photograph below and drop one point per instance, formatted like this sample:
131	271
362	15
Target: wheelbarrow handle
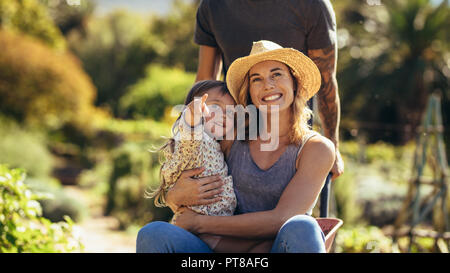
325	196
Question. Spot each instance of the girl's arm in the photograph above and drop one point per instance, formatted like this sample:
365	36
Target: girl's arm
297	198
186	154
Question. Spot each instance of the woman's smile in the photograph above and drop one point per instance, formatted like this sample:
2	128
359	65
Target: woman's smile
272	97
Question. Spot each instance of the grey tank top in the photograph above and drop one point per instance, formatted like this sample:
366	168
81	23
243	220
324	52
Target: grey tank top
256	189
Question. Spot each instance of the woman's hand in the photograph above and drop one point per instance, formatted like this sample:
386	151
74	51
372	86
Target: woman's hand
189	191
186	219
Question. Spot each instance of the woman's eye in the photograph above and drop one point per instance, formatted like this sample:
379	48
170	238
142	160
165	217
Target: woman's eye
256	79
276	74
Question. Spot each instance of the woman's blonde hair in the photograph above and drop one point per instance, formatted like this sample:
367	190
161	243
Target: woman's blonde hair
301	113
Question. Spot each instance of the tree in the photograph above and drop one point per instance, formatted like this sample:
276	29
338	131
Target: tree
67	17
115	52
176	31
399	58
41	87
30	17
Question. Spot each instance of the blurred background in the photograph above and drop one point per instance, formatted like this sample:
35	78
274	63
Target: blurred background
86	91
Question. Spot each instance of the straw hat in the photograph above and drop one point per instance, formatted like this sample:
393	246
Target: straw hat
304	69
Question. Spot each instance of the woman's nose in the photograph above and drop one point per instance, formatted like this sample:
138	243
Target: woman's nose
269	84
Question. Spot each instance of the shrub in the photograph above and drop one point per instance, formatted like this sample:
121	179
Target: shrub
22	228
161	88
25	149
129	170
115	50
30	17
362	240
41	87
345	190
60	204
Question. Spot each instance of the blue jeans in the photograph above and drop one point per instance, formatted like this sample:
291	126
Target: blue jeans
300	234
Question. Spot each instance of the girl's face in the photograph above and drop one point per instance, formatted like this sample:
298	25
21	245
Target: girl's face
220	121
271	83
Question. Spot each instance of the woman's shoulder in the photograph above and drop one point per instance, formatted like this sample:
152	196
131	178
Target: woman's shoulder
317	141
318	146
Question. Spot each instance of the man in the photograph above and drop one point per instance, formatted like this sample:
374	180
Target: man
226	29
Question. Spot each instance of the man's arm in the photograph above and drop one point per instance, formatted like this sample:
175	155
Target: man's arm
328	99
209	63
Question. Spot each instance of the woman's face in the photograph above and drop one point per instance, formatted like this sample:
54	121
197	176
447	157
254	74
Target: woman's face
271	83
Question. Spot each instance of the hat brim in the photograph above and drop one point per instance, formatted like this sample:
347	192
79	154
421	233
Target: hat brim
303	67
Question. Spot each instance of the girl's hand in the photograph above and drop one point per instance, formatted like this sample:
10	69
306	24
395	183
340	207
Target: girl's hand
189	191
186	219
196	110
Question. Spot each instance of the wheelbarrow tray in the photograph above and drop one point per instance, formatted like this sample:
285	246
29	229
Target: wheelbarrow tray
329	228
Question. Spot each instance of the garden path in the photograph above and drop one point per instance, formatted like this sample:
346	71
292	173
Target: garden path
100	234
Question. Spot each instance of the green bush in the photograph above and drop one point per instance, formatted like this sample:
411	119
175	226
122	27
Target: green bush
60	204
41	87
374	183
30	17
115	50
134	168
22	228
161	88
24	149
362	240
345	190
124	173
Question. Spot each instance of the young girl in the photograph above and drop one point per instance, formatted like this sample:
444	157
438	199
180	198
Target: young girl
195	145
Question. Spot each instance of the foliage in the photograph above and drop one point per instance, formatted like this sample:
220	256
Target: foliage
133	169
345	194
50	89
124	172
392	57
374	183
115	51
151	96
30	17
22	229
69	17
371	239
117	48
61	204
177	31
362	240
25	149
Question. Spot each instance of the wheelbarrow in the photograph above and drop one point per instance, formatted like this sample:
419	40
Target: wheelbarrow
329	226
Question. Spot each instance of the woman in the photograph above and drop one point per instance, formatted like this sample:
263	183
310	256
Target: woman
276	188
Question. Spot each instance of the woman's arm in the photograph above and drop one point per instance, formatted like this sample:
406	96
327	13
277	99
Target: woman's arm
297	198
189	191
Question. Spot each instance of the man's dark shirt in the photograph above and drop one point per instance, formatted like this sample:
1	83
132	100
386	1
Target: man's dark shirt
233	25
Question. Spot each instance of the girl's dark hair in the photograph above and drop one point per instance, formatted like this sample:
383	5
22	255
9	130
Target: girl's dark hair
202	87
197	90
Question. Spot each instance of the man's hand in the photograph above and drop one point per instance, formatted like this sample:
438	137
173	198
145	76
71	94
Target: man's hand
338	167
